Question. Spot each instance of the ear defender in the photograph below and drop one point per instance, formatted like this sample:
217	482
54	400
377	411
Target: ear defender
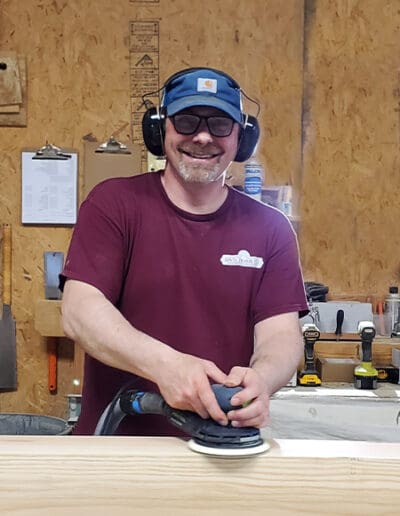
153	128
153	123
248	139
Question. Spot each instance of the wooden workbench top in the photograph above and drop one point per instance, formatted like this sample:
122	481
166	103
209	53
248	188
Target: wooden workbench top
64	475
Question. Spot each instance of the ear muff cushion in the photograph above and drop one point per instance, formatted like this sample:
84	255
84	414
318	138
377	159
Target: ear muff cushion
248	139
153	129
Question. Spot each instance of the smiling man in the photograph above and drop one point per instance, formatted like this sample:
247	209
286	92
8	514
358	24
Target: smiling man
206	156
174	280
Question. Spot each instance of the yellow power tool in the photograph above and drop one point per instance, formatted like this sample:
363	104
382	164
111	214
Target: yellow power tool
309	375
365	374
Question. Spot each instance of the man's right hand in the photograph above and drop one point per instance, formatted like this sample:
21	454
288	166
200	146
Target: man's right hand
184	383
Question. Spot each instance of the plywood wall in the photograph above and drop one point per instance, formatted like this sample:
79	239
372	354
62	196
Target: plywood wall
351	184
327	82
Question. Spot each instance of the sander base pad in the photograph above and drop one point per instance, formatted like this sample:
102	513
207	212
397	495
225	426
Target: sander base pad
228	452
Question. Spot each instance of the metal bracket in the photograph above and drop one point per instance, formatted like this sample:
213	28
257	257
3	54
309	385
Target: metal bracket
74	407
112	146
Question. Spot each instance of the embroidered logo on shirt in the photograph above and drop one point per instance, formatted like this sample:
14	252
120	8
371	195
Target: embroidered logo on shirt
242	259
207	85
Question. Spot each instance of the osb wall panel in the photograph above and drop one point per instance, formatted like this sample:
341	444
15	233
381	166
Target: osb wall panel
344	163
350	232
77	56
260	44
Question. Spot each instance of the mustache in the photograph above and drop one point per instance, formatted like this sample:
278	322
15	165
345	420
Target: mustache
200	150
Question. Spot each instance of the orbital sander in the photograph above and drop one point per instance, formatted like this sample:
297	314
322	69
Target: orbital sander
207	436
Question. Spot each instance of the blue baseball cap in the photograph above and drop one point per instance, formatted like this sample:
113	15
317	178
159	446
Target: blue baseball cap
203	87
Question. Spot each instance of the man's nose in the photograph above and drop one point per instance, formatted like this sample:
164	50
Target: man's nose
203	133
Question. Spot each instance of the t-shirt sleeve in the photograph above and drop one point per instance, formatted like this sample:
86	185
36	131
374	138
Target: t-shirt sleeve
281	289
96	252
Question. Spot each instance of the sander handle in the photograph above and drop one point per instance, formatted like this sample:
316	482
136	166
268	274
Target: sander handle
139	402
134	402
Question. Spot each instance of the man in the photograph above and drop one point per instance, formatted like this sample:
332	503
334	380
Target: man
181	280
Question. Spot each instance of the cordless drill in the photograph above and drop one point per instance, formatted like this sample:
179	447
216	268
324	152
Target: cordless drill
309	375
365	375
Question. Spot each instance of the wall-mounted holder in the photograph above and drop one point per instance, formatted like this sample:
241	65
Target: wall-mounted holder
74	408
112	146
12	90
50	151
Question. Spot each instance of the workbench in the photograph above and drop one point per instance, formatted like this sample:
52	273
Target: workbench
66	475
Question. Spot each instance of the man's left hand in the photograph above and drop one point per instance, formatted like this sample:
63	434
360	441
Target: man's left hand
252	401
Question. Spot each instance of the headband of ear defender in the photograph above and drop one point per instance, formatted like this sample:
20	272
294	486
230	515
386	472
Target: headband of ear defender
200	87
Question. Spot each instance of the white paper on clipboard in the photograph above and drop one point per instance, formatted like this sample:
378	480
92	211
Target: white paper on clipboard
49	189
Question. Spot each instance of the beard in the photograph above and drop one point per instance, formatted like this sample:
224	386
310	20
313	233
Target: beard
199	172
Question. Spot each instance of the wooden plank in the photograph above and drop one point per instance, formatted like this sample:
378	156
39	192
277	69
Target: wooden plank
10	80
133	475
382	352
381	349
343	336
16	116
328	349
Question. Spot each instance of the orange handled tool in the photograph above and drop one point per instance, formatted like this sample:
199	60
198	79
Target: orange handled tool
52	363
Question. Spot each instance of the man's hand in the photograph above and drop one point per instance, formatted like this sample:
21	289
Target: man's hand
184	383
254	397
278	348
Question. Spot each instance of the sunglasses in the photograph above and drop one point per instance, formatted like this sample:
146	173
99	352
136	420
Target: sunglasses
186	123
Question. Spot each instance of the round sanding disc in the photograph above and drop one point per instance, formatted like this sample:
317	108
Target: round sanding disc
228	452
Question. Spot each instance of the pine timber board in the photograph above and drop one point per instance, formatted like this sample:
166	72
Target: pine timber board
381	349
160	476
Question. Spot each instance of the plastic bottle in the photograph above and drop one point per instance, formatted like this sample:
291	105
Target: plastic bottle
392	306
253	179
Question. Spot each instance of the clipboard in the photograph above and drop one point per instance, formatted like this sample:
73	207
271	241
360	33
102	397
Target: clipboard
100	166
49	189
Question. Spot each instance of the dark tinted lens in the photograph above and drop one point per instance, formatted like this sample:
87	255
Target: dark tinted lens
186	124
220	125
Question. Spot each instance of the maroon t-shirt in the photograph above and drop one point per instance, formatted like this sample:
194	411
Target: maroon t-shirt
198	283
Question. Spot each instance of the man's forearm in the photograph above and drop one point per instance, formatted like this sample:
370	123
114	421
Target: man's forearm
93	322
277	351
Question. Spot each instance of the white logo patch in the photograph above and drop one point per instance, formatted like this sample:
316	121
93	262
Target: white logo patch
209	85
242	259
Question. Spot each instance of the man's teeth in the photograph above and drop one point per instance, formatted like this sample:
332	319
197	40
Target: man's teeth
199	156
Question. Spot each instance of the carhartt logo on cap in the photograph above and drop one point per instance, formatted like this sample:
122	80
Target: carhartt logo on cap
209	85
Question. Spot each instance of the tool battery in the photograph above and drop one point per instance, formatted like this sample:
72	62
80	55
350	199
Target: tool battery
388	374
